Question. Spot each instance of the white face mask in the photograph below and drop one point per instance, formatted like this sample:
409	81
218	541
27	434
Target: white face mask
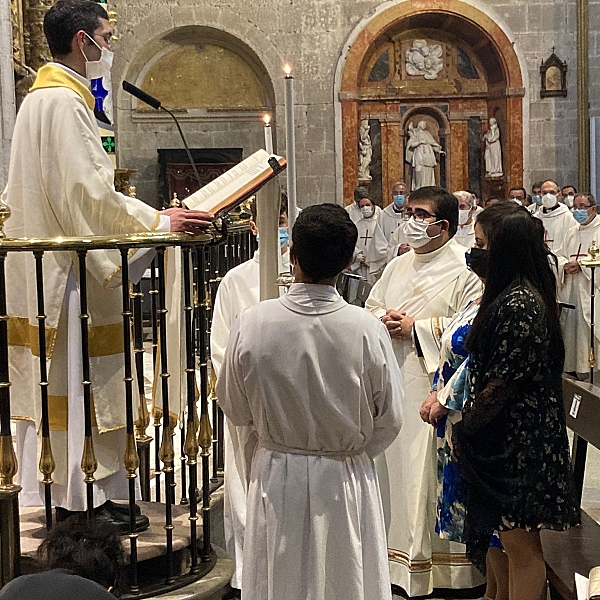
367	211
549	200
416	233
95	69
517	201
569	200
463	216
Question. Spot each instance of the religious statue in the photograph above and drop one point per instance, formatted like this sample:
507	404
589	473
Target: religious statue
424	60
421	149
493	151
365	151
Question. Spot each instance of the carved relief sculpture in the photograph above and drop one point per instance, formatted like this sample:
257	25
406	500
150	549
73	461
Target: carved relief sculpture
424	60
493	151
365	151
421	150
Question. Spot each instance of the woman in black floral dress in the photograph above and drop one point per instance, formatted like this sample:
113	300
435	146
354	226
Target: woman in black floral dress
511	444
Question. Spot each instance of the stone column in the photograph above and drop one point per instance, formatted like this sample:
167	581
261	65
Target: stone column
7	90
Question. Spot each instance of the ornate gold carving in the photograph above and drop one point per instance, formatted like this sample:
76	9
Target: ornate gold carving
205	435
47	464
132	460
185	78
4	216
166	454
8	462
122	180
37	52
190	445
89	464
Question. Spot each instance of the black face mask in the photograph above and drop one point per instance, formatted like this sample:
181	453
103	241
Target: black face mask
477	261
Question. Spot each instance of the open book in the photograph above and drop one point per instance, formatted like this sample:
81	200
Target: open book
237	184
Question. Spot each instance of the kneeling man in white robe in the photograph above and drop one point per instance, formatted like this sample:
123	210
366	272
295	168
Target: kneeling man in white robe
318	380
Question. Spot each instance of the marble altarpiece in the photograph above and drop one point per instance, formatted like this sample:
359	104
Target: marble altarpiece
449	76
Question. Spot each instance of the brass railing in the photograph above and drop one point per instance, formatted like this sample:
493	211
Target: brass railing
205	259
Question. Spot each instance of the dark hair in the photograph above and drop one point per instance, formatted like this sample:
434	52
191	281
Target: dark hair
537	184
517	255
589	197
519	189
323	239
66	18
91	550
564	187
360	192
445	204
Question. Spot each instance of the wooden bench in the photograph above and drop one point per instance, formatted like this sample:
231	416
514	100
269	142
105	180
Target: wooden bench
578	549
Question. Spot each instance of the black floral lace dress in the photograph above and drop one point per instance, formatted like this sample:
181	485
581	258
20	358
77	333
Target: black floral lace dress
511	444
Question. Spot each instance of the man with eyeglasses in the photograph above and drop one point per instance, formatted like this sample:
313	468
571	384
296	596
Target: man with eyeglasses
60	183
575	288
415	298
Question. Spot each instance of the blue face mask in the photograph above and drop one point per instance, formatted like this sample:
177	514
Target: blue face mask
581	215
284	236
398	201
537	199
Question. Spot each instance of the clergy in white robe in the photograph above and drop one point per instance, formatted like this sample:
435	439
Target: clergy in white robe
555	216
238	290
318	380
354	209
60	183
575	286
391	217
467	206
398	244
417	295
370	253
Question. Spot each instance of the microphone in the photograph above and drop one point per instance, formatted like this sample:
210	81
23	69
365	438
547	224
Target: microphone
156	104
140	95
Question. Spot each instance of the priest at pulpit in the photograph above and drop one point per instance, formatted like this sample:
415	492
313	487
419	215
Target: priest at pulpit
61	183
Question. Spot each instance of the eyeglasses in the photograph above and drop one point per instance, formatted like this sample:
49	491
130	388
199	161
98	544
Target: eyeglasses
419	214
106	37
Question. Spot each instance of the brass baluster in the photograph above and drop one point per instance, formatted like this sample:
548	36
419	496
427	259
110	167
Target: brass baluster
166	452
10	548
89	464
47	464
130	459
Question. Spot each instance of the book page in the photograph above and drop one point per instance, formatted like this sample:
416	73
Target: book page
233	184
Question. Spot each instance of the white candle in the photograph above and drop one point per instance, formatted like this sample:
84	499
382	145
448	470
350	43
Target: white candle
268	134
290	145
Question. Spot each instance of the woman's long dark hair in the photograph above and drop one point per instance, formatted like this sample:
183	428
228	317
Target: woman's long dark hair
517	255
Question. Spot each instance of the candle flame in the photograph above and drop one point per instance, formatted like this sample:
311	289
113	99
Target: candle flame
287	70
267	119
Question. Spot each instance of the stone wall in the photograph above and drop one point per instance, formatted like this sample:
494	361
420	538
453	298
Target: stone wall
311	35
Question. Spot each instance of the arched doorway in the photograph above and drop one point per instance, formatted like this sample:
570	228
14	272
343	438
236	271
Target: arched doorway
451	67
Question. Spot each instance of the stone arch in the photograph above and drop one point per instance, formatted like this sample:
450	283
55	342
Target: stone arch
493	48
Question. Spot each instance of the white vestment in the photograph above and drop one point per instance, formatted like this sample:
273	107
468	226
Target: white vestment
557	223
318	380
239	289
354	211
576	289
389	220
60	184
398	239
372	245
465	234
430	288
